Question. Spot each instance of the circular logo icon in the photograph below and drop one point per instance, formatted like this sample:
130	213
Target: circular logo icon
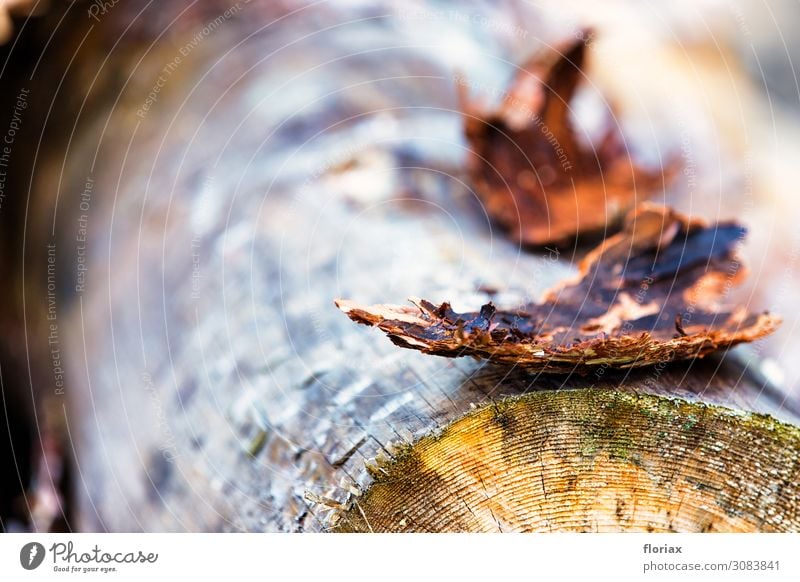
31	555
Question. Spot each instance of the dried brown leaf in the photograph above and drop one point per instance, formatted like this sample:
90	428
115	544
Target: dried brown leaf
534	177
649	294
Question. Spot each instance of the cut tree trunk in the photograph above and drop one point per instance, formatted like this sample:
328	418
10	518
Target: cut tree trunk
213	384
589	460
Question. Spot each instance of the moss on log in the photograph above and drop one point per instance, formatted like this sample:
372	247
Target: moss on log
585	460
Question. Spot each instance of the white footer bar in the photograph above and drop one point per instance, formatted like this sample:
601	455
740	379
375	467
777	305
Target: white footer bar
355	558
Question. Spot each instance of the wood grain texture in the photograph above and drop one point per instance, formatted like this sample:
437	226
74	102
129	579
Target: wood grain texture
590	461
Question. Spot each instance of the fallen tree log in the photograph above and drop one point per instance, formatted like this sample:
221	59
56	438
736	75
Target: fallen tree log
212	197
